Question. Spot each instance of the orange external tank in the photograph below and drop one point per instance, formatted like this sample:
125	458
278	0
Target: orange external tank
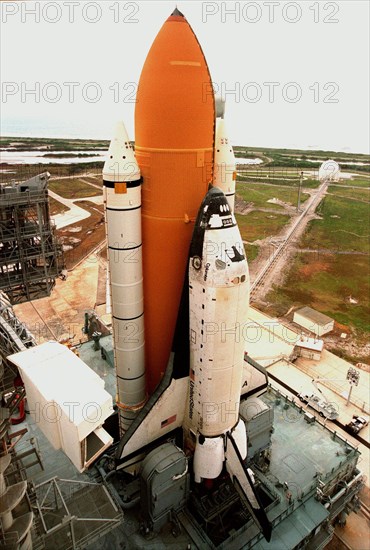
174	142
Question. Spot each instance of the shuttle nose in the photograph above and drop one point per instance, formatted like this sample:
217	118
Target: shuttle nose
214	208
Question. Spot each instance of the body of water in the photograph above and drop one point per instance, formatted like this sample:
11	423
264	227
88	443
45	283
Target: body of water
248	161
40	157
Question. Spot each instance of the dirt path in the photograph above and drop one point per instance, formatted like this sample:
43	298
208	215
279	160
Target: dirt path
272	269
320	251
62	313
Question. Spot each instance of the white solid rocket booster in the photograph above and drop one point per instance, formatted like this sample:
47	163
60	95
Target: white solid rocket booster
122	198
224	176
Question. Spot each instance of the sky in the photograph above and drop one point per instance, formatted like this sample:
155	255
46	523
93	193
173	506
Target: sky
294	74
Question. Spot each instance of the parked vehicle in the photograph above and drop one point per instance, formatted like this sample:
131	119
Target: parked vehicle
325	409
356	424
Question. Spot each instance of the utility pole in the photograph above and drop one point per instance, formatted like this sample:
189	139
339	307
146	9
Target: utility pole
299	192
353	377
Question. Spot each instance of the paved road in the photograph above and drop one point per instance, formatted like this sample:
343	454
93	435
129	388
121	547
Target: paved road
73	215
75	212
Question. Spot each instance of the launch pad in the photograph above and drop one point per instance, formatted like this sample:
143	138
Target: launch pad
305	474
306	477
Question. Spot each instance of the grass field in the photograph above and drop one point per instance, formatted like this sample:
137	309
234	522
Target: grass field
325	282
260	225
355	193
51	144
274	178
344	226
264	179
328	278
273	172
56	207
251	251
362	178
260	194
356	181
312	154
95	181
22	172
311	183
304	159
73	189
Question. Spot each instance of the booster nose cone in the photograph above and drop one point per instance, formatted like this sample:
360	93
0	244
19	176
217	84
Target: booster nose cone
121	163
225	167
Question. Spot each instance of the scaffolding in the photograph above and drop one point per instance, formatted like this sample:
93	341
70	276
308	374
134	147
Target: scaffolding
71	514
30	256
14	337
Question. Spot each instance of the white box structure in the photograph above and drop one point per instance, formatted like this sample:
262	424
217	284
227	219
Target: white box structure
314	321
309	348
67	400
